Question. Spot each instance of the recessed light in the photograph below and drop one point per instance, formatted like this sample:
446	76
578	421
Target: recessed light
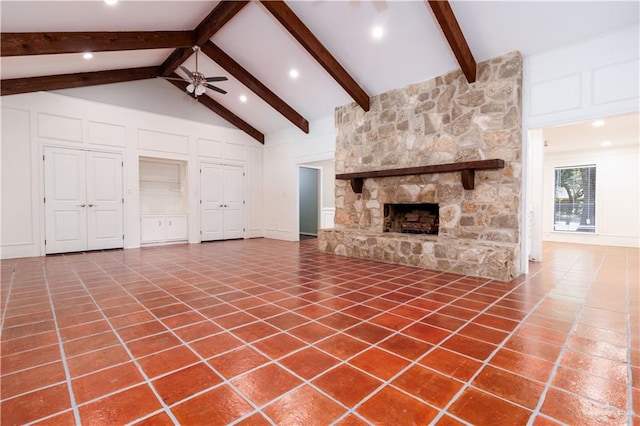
294	73
111	2
377	32
605	143
598	123
88	55
243	98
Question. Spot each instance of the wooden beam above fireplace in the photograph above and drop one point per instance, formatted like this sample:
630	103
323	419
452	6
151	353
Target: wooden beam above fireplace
467	168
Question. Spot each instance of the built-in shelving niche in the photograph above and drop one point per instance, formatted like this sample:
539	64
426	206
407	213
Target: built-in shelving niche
163	200
163	187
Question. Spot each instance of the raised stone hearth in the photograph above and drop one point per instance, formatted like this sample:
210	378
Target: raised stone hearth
444	120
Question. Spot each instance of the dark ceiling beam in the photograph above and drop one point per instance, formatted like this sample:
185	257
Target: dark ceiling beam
67	81
305	37
219	16
221	111
22	44
452	32
242	75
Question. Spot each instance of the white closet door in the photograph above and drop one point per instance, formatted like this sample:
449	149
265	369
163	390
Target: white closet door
65	200
233	202
212	202
104	201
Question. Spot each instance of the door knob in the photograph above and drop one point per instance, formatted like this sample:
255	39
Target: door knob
93	205
221	205
81	205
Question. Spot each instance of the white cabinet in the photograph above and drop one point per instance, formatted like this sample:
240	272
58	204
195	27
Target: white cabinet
163	228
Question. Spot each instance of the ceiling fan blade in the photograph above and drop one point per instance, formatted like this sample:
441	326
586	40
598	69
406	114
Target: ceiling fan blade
171	78
217	89
216	79
186	70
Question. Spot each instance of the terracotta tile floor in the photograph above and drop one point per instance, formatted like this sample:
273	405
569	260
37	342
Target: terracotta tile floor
270	332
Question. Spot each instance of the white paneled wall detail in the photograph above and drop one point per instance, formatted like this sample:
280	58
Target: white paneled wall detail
19	220
162	141
107	134
594	78
59	127
32	121
327	219
209	148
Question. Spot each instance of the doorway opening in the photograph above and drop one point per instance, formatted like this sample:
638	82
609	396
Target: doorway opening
309	199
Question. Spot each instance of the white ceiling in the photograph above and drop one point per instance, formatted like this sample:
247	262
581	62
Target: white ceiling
413	48
618	131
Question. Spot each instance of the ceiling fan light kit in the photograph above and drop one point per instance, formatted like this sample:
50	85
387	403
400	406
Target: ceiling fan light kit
198	83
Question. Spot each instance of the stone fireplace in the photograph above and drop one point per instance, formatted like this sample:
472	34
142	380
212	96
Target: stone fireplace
441	121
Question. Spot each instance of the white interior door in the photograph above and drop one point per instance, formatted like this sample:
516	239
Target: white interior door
65	200
83	200
104	201
211	202
222	203
233	202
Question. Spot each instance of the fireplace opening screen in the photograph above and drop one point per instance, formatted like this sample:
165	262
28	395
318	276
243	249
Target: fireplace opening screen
411	218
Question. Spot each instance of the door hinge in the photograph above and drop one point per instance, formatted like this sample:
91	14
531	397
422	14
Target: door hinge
122	163
123	201
243	201
45	242
123	236
200	232
243	230
42	157
45	199
243	174
200	201
200	170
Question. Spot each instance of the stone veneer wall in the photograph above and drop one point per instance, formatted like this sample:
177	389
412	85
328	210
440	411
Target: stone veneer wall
443	120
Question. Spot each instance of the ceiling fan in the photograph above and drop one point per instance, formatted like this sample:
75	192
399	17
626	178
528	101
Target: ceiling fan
198	83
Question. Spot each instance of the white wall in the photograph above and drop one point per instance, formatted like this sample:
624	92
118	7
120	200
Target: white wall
32	121
283	152
617	196
590	79
594	78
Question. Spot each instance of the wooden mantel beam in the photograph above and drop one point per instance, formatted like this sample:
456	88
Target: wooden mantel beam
236	70
305	37
468	169
452	32
23	44
220	110
67	81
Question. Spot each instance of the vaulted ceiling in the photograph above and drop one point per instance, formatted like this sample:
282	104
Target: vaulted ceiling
256	44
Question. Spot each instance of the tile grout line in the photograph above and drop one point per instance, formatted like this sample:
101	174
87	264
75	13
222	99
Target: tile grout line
126	349
6	303
224	380
65	365
629	343
570	333
439	344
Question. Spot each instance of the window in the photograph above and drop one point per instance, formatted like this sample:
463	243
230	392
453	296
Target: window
575	199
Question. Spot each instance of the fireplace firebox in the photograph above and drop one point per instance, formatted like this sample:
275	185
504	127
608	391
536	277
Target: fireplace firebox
411	218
